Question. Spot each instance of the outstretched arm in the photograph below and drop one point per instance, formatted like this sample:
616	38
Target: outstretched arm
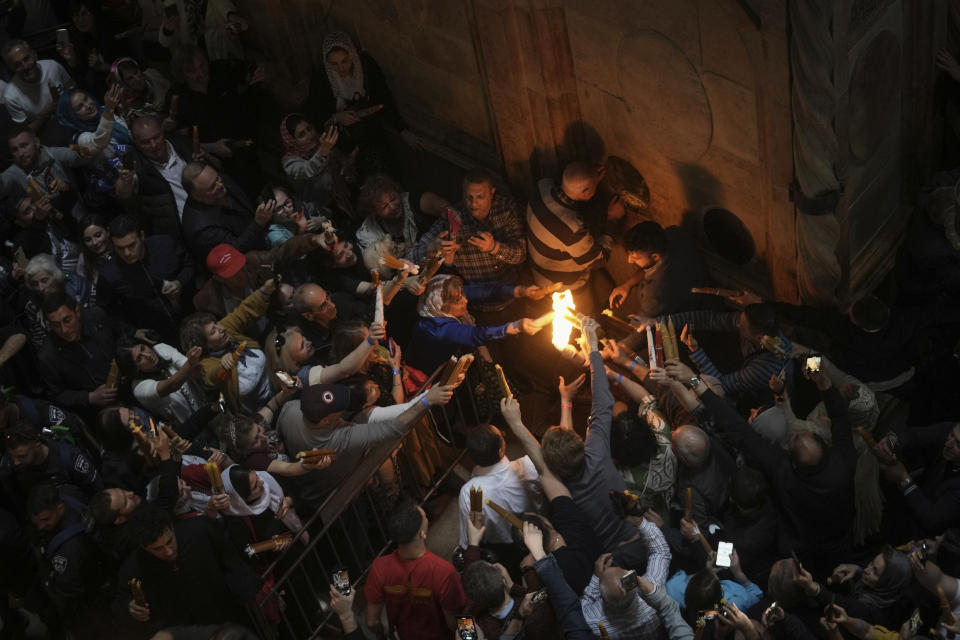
552	486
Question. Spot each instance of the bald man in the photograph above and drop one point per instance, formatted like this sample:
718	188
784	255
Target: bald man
705	467
560	246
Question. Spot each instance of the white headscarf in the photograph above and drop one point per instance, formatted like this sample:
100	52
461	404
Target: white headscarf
348	89
271	499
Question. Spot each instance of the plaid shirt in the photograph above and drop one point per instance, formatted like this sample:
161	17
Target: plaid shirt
640	621
470	263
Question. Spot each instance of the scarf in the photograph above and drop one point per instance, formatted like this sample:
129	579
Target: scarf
895	579
293	148
349	89
431	302
271	499
69	118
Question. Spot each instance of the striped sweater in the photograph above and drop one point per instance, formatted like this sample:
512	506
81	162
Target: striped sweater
558	243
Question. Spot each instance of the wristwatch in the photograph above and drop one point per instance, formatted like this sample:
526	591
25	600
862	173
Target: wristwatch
693	383
906	482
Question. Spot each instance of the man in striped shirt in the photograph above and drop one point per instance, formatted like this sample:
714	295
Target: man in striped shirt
560	244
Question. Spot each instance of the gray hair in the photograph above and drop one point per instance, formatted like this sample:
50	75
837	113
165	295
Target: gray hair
43	263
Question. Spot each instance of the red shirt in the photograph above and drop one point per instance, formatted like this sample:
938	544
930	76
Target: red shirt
416	593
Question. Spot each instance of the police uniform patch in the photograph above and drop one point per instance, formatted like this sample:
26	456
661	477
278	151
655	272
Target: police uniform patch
59	563
81	464
56	415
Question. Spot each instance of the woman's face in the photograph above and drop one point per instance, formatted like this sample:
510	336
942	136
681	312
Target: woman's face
42	283
145	358
83	105
306	134
83	19
458	306
874	571
299	349
95	239
388	206
256	488
256	439
216	336
132	78
372	392
340	61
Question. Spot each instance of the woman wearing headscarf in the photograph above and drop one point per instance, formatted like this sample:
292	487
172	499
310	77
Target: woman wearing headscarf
259	506
446	327
878	592
351	91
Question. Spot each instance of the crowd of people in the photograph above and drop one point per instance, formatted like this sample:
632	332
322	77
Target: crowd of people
201	339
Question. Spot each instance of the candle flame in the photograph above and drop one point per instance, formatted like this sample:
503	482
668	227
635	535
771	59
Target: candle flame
563	308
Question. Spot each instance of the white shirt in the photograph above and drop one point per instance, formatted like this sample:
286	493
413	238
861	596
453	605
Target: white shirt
253	383
172	172
26	100
176	406
514	485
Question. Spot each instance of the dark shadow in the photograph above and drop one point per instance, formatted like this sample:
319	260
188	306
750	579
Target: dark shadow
701	189
728	236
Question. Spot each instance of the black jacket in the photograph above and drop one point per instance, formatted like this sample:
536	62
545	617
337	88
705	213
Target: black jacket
153	203
205	226
935	503
816	507
133	291
208	583
72	370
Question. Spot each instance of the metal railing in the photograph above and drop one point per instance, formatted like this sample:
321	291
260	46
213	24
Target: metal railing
348	529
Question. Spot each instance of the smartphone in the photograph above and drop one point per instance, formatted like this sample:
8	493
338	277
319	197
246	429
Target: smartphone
341	581
924	551
724	549
391	347
628	581
914	623
222	404
538	596
63	38
288	380
466	628
796	559
812	363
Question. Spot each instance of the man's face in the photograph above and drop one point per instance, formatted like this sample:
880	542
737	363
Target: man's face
22	61
123	503
643	259
951	448
25	149
580	190
132	78
478	199
208	187
65	324
129	248
26	455
163	548
388	206
197	71
324	311
26	212
286	207
148	138
48	520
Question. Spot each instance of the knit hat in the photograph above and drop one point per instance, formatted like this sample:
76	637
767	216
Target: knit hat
225	261
320	400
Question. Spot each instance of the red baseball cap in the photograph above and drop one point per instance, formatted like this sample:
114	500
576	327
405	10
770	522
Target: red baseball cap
225	261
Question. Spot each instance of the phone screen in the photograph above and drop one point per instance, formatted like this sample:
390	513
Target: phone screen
341	581
724	549
812	364
466	628
628	581
63	37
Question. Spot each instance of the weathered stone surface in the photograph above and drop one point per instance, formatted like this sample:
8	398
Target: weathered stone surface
734	109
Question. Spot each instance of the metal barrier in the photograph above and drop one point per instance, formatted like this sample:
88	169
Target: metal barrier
348	530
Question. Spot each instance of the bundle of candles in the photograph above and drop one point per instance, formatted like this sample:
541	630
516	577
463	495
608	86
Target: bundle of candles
143	438
276	543
662	343
506	515
213	472
178	442
223	374
775	345
313	456
431	266
714	291
136	590
476	507
392	262
113	378
378	305
460	367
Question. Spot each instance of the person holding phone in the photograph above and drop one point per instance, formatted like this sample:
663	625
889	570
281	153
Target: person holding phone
704	589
